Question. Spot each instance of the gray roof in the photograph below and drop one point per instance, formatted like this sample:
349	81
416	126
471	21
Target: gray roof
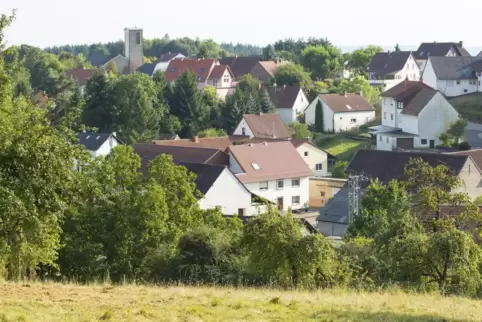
147	68
453	68
439	49
389	62
336	210
93	141
100	60
206	174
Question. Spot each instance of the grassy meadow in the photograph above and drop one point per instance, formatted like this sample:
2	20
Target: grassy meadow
345	148
470	106
70	302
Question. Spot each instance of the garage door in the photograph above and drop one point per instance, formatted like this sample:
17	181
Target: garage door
405	143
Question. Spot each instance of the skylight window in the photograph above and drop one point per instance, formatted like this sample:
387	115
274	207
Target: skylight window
88	136
348	107
255	166
202	69
98	137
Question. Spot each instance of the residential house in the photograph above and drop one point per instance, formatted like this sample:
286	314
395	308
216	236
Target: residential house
134	54
480	54
439	49
341	112
160	65
413	116
388	165
98	144
322	189
148	152
390	68
262	125
259	168
81	77
320	161
40	98
241	66
454	76
221	188
289	101
344	72
207	71
265	71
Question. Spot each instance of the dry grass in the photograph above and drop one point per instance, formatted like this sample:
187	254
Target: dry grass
57	302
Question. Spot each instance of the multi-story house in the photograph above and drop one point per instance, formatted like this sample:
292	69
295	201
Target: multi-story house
390	68
341	112
207	71
413	116
454	76
439	49
274	171
289	101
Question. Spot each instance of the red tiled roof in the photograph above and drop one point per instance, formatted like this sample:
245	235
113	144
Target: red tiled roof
267	157
339	103
200	67
80	75
267	125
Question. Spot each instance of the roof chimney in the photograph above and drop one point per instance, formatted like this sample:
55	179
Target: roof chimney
345	94
196	139
461	44
265	143
260	113
361	93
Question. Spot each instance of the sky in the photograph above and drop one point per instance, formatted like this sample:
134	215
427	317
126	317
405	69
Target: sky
345	23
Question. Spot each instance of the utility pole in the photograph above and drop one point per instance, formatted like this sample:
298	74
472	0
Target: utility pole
354	199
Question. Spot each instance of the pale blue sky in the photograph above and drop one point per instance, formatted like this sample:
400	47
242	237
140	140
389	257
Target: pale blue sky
346	23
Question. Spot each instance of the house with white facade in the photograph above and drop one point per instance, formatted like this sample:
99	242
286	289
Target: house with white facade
98	144
454	76
221	188
390	68
274	171
289	101
439	49
262	125
341	112
207	71
413	116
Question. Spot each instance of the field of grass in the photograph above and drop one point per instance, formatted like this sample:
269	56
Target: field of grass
57	302
470	106
344	148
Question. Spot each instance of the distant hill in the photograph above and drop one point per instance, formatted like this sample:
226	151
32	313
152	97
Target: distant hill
345	49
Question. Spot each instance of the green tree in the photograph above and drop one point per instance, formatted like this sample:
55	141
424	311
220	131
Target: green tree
359	84
99	100
299	131
248	84
321	61
397	48
457	129
339	169
212	133
319	117
188	105
278	249
292	74
137	109
265	103
359	59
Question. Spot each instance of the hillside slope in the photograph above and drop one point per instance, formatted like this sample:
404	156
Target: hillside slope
57	302
470	106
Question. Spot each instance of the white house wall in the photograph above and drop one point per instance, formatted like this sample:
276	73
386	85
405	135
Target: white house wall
106	147
239	129
310	111
315	156
287	115
429	76
272	194
452	88
342	121
436	118
229	194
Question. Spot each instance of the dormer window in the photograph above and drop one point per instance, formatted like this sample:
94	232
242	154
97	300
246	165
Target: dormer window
201	70
172	70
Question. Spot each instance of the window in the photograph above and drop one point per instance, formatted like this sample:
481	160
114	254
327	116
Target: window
424	141
172	70
352	121
201	70
391	116
322	193
280	184
255	166
263	186
385	115
341	118
472	82
458	82
295	200
138	38
381	138
295	182
301	99
319	167
241	212
388	139
198	78
226	79
243	131
306	153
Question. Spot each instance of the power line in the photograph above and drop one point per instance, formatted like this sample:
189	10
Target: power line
354	195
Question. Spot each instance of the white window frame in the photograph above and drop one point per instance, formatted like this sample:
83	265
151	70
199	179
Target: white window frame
295	185
293	202
282	184
319	166
263	186
353	121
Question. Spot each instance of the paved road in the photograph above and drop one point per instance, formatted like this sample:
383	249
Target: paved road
473	135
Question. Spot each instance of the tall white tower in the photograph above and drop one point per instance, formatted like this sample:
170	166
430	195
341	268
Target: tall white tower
134	51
